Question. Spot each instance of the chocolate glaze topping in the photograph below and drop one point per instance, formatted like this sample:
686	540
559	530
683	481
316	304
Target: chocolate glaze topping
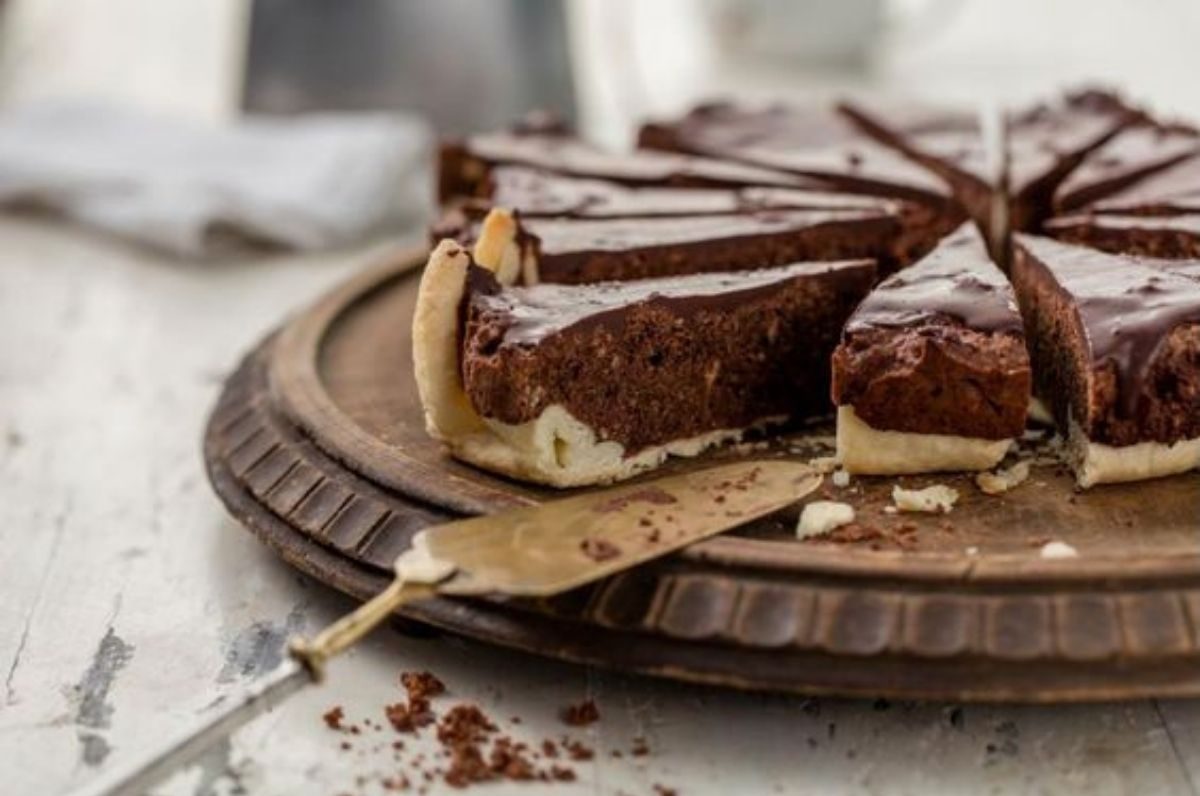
940	137
806	140
1133	154
1051	138
566	155
538	311
1174	190
537	193
563	236
956	280
1127	306
1183	223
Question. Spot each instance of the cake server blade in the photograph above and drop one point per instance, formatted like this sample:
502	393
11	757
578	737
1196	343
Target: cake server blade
534	552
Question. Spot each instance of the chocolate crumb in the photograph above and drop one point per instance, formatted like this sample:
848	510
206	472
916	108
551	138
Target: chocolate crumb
399	782
464	724
640	747
467	766
580	714
333	717
579	751
407	718
422	685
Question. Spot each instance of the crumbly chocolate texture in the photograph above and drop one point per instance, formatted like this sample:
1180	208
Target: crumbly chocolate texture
1115	341
1135	153
571	251
1048	141
938	349
648	362
465	165
1158	236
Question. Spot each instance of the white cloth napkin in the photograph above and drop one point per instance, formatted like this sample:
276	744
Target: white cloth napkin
306	182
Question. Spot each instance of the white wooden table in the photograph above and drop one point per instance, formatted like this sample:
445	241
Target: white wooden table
129	601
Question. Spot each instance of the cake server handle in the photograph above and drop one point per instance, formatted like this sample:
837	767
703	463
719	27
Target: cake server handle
305	666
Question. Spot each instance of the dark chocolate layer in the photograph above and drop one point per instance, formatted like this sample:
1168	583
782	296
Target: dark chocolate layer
645	363
537	193
581	251
465	165
938	348
1114	340
956	280
1131	155
1045	144
811	141
1171	191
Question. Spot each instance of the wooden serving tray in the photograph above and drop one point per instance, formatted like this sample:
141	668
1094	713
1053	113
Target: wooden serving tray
318	446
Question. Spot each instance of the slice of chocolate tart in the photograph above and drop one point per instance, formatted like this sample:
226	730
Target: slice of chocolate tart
815	142
950	142
808	140
1135	153
932	373
1045	143
536	194
541	194
1115	345
571	385
466	165
581	251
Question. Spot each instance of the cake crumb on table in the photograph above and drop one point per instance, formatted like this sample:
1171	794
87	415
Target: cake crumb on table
1002	481
935	499
333	717
822	516
580	714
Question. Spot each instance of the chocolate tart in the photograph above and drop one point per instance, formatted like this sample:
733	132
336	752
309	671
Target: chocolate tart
932	373
1115	345
580	251
569	385
950	143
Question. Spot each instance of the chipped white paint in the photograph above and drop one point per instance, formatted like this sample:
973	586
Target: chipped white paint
130	602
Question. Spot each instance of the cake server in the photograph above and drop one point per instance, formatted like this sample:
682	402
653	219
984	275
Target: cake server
537	551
